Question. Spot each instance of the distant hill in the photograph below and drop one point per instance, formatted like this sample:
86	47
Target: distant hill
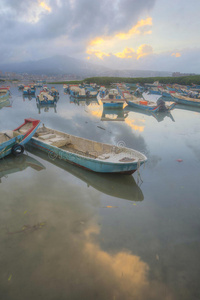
58	65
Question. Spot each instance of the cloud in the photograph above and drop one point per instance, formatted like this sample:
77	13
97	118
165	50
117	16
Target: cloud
144	50
24	23
177	54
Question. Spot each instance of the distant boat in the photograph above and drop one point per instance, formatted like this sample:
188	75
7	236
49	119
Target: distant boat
115	185
11	165
160	105
111	99
81	92
13	141
28	90
44	97
186	100
88	154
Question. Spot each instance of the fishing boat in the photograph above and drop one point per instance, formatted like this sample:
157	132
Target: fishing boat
4	93
112	99
28	91
115	185
13	141
44	97
186	100
158	106
88	154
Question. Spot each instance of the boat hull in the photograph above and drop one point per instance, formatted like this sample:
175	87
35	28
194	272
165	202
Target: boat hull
85	162
186	102
156	108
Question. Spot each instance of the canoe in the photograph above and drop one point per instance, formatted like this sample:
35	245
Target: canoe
11	165
150	105
186	100
115	185
88	154
13	141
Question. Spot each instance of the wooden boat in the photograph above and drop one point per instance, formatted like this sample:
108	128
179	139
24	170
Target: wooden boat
45	98
13	141
186	100
88	154
28	90
11	165
115	185
4	93
158	106
113	99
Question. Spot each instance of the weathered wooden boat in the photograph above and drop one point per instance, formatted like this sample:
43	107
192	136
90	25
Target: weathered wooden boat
113	99
82	93
158	106
4	93
28	91
11	165
88	154
115	185
44	97
186	100
13	141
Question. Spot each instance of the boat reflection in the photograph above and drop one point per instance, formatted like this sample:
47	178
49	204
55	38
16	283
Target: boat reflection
5	103
28	97
84	101
159	116
115	185
187	107
46	107
113	114
11	164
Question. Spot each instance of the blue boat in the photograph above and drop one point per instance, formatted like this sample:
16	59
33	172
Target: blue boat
4	93
88	154
158	106
13	141
111	99
45	97
28	90
186	100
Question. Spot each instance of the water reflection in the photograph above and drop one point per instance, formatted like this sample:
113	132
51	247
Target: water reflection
11	164
119	186
46	107
159	116
28	97
5	103
84	101
109	114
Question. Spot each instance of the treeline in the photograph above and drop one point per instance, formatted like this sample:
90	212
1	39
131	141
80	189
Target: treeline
183	80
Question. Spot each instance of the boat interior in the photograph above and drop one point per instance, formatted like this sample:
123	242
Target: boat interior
84	147
10	134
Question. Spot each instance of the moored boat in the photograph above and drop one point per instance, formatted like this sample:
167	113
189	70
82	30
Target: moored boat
112	99
13	141
44	97
158	106
88	154
186	100
4	93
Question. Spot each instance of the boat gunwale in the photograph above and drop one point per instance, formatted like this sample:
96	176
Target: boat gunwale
136	161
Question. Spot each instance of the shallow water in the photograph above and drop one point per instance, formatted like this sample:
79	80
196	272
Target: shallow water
66	233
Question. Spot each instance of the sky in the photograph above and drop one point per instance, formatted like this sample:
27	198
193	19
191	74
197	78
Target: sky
158	35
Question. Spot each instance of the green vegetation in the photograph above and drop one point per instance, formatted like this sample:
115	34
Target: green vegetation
184	80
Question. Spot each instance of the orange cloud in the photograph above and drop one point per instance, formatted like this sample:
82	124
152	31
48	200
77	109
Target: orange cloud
144	50
44	5
177	54
139	28
97	53
126	53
